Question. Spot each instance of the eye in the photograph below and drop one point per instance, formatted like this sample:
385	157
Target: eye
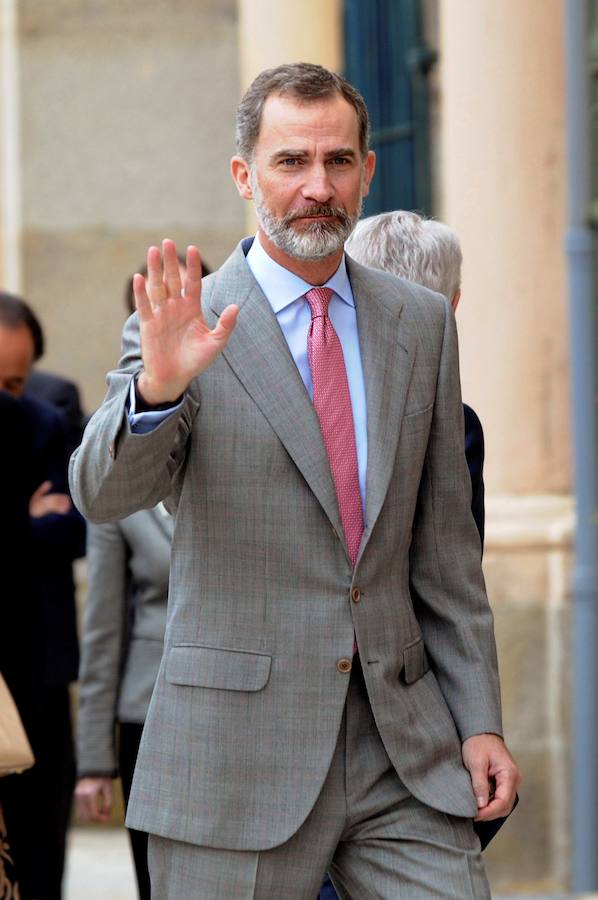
290	162
340	161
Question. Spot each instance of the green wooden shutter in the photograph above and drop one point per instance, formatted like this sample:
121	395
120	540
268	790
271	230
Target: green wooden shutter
386	59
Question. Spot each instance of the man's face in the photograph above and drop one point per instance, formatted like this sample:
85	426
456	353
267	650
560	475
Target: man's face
308	176
16	358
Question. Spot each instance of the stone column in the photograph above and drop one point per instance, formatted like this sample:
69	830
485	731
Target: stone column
10	182
502	185
272	33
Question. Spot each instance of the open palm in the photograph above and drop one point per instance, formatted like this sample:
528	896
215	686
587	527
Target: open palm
176	343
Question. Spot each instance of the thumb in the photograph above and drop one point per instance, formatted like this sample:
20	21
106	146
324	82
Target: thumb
479	782
42	490
226	323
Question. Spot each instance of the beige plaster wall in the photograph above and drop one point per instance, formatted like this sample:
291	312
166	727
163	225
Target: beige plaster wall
127	114
502	162
273	33
502	182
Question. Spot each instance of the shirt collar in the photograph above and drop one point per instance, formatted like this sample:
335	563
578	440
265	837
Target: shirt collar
282	287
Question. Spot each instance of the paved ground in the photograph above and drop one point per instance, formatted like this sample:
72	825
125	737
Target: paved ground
99	865
100	868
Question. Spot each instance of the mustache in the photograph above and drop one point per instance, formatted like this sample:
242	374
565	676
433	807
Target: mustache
320	209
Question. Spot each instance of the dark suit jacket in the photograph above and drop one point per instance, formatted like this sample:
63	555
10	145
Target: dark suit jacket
63	394
20	614
57	540
474	453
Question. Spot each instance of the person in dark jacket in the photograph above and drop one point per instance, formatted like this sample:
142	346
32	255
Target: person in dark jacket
37	807
64	395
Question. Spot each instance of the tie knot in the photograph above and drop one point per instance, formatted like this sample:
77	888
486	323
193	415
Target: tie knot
318	299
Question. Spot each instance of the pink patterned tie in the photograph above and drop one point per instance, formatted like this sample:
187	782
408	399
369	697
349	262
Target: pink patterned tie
332	402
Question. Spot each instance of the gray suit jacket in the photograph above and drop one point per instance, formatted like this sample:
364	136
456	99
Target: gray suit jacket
123	634
248	703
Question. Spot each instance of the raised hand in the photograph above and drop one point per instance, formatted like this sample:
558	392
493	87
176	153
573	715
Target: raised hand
176	343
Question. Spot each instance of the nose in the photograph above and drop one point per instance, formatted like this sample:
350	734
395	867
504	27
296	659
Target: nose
317	186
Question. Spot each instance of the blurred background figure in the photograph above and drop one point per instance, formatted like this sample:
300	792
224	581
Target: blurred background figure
63	394
125	617
123	633
19	609
37	804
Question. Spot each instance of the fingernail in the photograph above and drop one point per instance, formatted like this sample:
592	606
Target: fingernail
481	801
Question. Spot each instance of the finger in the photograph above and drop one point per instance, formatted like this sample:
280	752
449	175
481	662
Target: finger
480	784
86	807
494	810
107	798
226	323
80	806
59	503
193	277
172	276
144	307
156	289
507	781
42	490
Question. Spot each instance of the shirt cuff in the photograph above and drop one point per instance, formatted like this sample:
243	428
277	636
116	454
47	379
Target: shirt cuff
144	422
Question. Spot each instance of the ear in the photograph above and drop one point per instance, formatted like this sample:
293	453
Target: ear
455	300
240	171
369	167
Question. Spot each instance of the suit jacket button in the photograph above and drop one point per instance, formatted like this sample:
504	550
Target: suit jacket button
344	665
111	451
335	533
356	595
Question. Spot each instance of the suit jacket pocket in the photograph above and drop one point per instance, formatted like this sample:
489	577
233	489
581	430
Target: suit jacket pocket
218	668
417	420
415	661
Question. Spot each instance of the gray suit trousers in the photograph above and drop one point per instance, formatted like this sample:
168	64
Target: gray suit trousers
376	839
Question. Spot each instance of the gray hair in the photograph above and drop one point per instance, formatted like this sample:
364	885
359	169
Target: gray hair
422	250
303	82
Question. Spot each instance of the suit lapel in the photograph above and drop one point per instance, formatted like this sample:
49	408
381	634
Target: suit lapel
387	354
259	355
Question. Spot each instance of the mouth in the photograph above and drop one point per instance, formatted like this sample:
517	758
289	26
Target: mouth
313	218
315	214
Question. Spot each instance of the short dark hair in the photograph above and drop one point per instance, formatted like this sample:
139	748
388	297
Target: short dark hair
142	270
304	82
15	312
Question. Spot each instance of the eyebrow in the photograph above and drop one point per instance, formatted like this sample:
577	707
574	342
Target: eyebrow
302	154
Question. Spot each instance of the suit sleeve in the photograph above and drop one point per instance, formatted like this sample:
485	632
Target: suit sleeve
447	584
102	649
115	472
53	534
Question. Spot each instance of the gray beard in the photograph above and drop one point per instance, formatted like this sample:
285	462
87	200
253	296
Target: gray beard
315	240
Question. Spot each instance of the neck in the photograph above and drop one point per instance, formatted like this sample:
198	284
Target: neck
314	271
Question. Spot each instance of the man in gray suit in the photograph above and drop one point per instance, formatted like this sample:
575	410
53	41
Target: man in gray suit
328	695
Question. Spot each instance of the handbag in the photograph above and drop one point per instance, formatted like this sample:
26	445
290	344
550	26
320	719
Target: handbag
15	749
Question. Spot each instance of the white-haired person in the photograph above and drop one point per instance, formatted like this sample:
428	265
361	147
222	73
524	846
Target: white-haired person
428	252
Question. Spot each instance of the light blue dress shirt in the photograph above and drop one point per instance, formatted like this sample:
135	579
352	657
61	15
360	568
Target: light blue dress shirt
286	294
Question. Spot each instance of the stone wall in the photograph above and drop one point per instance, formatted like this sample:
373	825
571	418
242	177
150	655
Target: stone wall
527	564
127	113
